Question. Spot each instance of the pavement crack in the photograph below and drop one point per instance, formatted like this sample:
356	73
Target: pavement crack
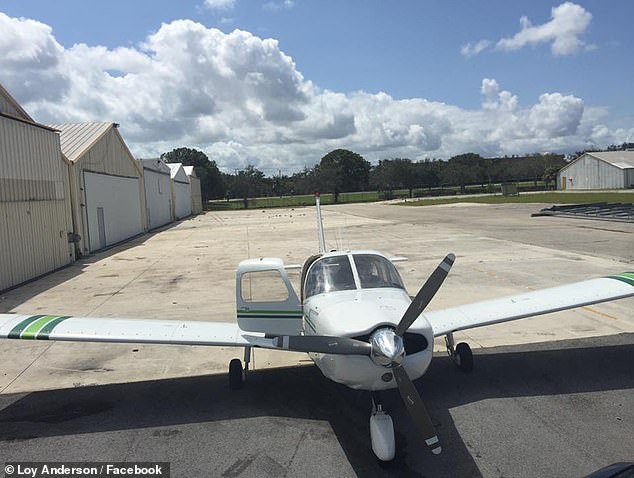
25	369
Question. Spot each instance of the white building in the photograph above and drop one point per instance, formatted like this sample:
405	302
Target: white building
197	196
35	207
599	170
106	187
181	191
158	192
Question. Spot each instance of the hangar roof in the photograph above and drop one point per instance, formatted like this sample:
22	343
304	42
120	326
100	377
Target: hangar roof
190	171
77	138
13	107
157	165
620	159
177	173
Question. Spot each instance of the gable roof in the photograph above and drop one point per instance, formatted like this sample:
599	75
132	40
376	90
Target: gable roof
77	138
620	159
190	171
157	165
177	173
15	108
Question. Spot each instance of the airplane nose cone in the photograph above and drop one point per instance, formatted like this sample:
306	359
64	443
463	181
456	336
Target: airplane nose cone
387	348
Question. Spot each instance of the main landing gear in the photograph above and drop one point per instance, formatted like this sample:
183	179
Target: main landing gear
461	353
237	374
381	431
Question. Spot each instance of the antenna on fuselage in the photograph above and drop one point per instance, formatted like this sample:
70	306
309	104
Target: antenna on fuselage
320	225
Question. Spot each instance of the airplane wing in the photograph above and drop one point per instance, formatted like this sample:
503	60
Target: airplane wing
92	329
532	303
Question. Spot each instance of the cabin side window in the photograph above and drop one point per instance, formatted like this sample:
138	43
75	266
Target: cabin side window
328	275
263	286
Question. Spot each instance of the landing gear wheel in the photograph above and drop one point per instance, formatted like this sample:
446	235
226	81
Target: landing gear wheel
236	377
382	436
463	357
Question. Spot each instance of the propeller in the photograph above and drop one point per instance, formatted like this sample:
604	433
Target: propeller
425	294
323	344
386	348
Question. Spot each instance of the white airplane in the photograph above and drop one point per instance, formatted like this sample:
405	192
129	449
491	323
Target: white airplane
353	316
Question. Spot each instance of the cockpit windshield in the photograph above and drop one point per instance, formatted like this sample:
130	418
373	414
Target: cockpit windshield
376	271
335	273
330	274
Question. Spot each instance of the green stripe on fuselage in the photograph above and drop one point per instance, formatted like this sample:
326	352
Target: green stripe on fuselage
269	314
250	316
48	328
276	312
627	277
18	329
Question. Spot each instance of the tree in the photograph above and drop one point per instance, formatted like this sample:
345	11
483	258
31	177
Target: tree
342	170
550	176
211	182
396	173
464	169
248	183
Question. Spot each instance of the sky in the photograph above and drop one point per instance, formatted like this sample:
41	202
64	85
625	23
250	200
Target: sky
280	83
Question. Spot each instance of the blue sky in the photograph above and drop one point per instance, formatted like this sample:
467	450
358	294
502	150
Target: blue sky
383	78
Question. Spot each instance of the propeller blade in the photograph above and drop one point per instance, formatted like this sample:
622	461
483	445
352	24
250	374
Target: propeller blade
323	344
416	409
425	294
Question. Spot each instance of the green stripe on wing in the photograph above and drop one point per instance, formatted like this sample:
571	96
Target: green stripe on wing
627	277
36	327
48	328
18	329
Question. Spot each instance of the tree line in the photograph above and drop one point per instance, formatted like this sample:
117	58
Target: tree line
342	171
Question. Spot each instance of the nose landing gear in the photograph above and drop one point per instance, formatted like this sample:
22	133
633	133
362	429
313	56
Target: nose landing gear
461	353
381	431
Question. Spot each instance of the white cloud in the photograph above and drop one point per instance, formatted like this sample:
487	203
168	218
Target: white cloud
219	4
568	23
278	5
496	99
556	115
242	100
470	49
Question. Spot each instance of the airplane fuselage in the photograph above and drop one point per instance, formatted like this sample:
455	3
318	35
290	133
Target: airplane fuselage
357	314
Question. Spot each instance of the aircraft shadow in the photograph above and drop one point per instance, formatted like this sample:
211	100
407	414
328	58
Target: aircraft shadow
301	392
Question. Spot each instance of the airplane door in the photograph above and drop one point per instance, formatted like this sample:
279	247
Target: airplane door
265	298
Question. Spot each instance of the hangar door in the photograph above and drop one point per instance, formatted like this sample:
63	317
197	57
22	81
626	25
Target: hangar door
158	198
182	200
113	209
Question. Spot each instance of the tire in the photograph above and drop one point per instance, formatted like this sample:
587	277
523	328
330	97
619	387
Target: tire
464	357
235	374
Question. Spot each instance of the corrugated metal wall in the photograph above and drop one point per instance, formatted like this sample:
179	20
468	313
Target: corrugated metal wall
181	199
108	156
591	173
158	198
630	178
7	107
197	197
34	205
